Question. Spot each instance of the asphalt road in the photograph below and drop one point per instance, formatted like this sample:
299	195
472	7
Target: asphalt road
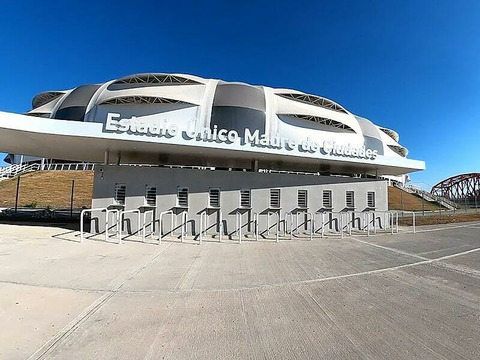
404	296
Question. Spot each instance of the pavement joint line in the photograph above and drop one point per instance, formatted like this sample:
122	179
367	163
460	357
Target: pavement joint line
71	327
309	281
449	248
464	270
87	312
46	286
391	249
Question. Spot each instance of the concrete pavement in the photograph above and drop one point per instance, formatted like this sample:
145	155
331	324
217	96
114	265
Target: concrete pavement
398	296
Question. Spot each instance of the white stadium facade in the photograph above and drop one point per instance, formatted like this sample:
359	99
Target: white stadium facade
212	154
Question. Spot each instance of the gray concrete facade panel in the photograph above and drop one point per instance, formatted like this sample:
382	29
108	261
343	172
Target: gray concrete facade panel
198	182
240	95
75	104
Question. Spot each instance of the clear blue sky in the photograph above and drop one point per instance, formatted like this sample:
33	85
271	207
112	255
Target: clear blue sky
413	66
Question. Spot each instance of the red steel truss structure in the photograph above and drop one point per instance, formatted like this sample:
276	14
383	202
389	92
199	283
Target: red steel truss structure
459	187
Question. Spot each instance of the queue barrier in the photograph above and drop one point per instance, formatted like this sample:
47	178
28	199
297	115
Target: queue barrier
323	224
288	215
140	225
182	226
370	222
160	218
107	218
122	220
151	223
238	225
116	218
277	224
390	219
331	218
82	214
255	221
310	219
204	225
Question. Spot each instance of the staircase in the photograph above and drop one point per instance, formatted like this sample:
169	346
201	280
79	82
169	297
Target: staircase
446	203
11	171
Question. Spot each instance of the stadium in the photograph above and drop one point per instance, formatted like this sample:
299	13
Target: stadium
216	156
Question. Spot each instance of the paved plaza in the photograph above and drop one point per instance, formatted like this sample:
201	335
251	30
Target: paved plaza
403	296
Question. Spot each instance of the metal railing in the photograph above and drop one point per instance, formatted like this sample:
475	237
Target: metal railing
323	224
238	225
277	224
67	166
340	223
160	218
11	171
329	222
390	220
182	226
151	223
255	221
346	225
310	219
116	214
203	228
107	211
122	218
368	222
15	170
82	214
203	215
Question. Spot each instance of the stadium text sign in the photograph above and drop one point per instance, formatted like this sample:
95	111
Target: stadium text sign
162	128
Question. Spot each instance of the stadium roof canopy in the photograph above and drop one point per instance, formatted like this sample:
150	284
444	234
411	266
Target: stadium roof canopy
181	119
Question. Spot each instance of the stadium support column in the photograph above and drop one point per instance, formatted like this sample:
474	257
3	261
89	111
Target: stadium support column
107	158
255	165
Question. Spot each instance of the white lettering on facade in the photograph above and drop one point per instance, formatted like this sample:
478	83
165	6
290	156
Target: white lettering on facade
156	127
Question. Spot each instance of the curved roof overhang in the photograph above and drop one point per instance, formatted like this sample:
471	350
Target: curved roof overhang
83	141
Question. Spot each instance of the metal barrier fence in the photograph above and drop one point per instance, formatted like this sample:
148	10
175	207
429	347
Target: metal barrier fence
204	225
313	224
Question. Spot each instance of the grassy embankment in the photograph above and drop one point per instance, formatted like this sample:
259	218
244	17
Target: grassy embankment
52	189
401	200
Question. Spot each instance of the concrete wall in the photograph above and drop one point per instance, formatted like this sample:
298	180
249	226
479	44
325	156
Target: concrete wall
167	180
